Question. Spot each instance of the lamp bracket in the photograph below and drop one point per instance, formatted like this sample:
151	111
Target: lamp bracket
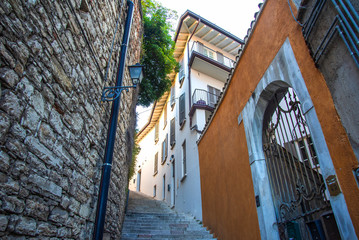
112	93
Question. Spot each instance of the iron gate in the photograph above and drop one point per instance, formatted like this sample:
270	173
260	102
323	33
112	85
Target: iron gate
298	190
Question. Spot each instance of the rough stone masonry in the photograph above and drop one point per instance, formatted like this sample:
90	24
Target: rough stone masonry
53	126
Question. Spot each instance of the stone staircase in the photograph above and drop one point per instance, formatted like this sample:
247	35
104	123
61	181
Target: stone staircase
147	218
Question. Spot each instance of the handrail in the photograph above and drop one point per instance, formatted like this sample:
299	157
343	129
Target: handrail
202	97
226	61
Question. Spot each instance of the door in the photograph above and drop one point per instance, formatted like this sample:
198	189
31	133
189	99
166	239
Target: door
300	198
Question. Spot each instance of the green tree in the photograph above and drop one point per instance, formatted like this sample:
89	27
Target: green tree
135	151
157	51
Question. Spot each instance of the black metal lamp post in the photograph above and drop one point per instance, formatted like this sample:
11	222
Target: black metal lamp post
113	94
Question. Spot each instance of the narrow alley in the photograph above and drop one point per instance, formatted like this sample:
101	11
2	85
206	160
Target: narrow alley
148	218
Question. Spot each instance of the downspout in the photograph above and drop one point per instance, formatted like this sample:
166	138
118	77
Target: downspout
111	135
189	73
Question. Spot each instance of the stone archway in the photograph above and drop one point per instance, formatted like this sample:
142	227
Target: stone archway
284	72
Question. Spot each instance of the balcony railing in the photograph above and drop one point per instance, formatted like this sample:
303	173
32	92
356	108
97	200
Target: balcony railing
212	54
203	98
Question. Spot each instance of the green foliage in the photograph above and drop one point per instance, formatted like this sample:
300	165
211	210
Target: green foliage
157	51
135	151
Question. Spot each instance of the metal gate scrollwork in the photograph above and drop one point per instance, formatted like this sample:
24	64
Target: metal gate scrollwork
298	190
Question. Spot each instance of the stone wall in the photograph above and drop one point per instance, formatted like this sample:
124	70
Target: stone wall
53	126
337	66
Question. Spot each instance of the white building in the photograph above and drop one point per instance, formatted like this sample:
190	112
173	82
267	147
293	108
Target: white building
168	166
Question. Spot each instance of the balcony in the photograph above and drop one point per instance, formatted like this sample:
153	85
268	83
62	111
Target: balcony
202	99
210	62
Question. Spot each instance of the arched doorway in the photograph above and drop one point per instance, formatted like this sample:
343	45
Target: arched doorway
283	73
300	199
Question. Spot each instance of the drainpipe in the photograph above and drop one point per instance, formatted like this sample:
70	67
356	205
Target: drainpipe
111	135
189	72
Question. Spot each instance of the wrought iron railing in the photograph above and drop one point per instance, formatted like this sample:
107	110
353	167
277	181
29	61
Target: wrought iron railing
345	23
210	53
202	97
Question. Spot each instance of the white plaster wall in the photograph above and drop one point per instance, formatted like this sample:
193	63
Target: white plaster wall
201	81
187	189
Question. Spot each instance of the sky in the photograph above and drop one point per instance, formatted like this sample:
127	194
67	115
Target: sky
234	16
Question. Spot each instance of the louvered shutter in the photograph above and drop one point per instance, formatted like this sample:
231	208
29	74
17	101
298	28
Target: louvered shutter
173	132
182	109
172	96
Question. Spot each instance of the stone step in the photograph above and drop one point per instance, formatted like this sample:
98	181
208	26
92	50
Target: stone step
148	218
161	226
167	236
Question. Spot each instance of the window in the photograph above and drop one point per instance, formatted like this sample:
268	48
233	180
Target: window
156	132
213	94
155	167
208	52
164	149
220	57
173	133
184	163
181	72
307	151
154	191
165	117
173	96
182	110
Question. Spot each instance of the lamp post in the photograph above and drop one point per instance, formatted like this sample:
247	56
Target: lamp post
113	94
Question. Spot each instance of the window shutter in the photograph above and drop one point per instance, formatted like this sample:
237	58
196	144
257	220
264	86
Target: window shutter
165	116
166	146
162	150
184	163
155	170
156	132
181	71
173	133
182	108
211	96
172	96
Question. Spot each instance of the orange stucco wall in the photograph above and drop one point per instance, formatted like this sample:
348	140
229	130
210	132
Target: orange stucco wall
228	199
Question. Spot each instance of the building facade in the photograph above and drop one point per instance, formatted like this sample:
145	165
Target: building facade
54	58
284	128
168	167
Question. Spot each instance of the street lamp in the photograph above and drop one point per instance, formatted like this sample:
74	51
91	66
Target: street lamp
136	73
112	93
